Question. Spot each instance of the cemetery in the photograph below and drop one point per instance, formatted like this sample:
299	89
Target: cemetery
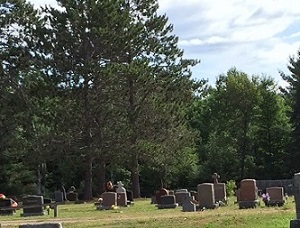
209	206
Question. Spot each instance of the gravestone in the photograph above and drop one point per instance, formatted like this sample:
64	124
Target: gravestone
181	190
109	199
122	199
161	193
171	192
6	202
120	187
296	222
276	196
42	225
167	201
72	196
35	205
58	196
129	194
206	196
195	194
248	194
220	192
180	196
188	204
153	200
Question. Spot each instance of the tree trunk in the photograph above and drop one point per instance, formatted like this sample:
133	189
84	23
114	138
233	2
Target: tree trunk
102	178
88	179
135	180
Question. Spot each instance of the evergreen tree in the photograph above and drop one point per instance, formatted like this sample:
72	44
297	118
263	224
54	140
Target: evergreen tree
292	95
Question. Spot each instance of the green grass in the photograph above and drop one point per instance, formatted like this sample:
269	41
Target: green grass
144	214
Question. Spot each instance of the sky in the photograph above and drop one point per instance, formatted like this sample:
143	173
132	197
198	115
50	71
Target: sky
255	36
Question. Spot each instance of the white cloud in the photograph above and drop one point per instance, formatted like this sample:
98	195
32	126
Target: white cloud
256	36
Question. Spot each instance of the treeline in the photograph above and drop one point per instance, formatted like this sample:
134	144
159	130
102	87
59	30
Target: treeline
99	90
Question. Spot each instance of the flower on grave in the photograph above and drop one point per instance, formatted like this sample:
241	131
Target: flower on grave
266	197
2	196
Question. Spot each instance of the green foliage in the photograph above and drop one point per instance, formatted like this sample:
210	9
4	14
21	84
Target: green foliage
231	188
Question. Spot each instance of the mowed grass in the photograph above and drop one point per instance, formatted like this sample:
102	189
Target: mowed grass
144	214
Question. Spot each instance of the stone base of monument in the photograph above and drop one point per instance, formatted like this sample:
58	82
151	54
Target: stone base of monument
130	202
295	223
275	203
200	208
101	207
42	225
167	206
248	204
33	214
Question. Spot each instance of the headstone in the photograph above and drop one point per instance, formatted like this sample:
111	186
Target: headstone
206	196
220	192
6	202
171	192
167	201
276	195
181	190
122	199
180	196
72	196
58	196
120	187
160	193
248	194
188	204
35	205
47	201
296	222
195	194
129	194
41	225
109	199
153	200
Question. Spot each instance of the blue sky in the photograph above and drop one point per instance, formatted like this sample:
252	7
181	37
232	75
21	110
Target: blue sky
255	36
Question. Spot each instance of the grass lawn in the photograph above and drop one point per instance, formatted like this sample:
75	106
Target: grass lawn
144	214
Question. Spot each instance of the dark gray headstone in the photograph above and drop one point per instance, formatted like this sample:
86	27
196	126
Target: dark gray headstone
129	195
41	225
6	203
188	205
72	196
167	201
58	196
33	205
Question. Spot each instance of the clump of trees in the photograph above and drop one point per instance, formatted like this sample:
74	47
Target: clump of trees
99	90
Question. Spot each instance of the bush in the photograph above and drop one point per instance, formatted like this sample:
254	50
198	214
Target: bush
230	187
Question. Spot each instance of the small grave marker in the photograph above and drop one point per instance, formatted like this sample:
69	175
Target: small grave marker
188	205
167	201
109	199
276	196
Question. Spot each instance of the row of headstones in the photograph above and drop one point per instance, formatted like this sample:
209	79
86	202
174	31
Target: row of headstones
70	196
208	196
30	201
247	195
110	199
